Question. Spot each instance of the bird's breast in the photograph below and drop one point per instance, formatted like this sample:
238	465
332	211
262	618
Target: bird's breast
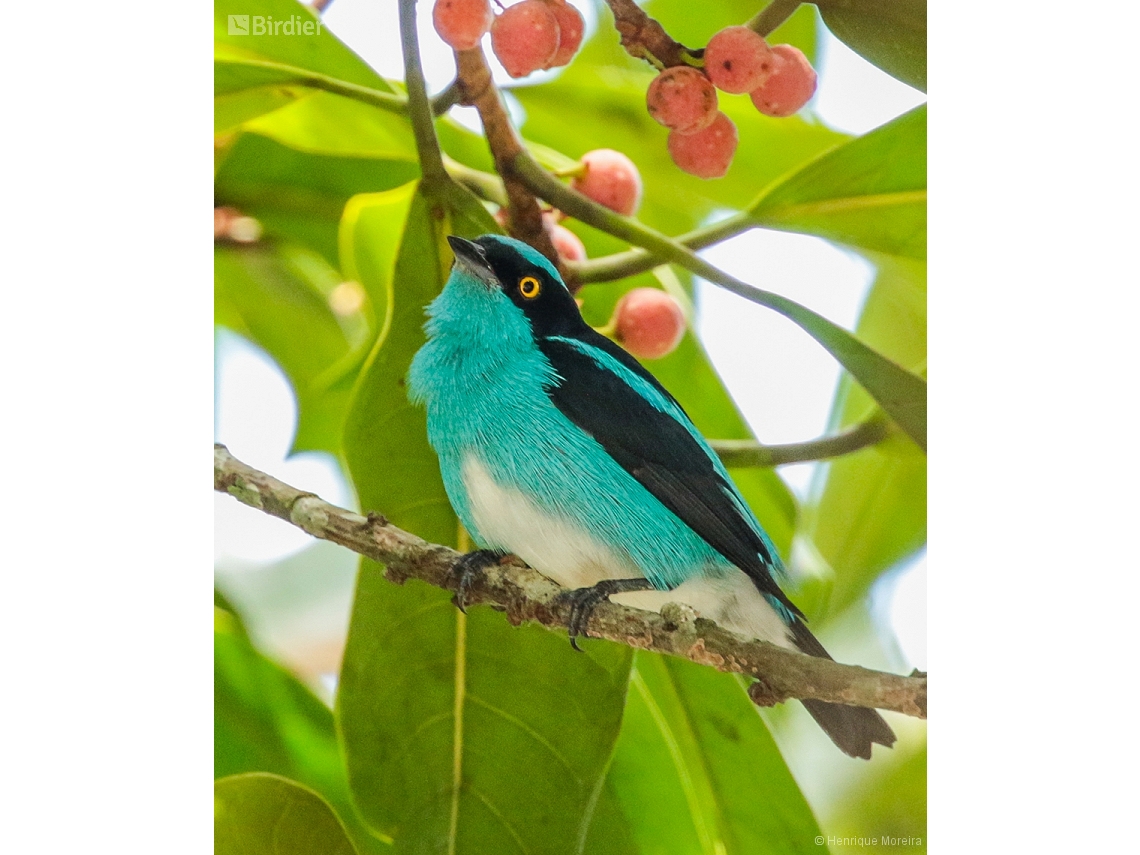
556	545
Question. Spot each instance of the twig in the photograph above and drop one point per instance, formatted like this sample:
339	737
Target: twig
447	98
745	452
482	184
389	101
526	595
644	38
419	108
622	264
772	15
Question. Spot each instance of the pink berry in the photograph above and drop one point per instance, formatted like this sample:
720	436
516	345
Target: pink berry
462	23
707	153
790	85
649	323
610	179
738	60
525	37
571	27
682	99
569	247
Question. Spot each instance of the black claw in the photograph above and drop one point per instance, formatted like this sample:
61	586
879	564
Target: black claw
468	568
583	601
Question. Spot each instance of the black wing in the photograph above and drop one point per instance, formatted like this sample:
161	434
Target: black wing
657	450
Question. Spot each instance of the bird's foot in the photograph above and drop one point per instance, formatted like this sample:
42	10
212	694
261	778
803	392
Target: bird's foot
583	601
470	567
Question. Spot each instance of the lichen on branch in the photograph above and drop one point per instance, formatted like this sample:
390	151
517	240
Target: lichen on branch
526	595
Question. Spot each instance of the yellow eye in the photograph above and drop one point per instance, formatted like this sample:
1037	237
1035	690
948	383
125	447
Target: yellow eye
529	287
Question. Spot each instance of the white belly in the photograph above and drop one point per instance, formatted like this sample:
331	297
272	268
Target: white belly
572	557
557	548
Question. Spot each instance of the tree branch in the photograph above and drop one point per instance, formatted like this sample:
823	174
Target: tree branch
644	38
526	595
473	79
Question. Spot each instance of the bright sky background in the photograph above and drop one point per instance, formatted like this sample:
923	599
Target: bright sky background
782	379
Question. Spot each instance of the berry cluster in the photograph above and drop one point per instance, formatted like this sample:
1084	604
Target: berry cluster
526	37
702	140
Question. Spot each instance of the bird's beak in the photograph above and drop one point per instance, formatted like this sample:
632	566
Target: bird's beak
470	257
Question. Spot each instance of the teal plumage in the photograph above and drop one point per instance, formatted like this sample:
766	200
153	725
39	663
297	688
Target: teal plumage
556	445
483	385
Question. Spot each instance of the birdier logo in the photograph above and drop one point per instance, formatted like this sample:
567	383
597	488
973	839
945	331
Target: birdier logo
267	25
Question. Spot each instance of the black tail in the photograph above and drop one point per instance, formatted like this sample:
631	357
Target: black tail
853	729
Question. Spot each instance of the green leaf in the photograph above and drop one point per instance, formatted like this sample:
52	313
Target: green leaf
276	294
888	802
321	123
869	192
371	230
266	720
696	771
263	814
610	832
890	35
695	30
300	195
226	617
234	108
901	393
321	52
458	730
867	510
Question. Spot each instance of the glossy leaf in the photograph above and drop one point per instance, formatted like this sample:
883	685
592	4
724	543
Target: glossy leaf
867	511
327	124
297	194
263	814
459	731
890	35
276	294
232	109
320	52
696	771
265	720
869	192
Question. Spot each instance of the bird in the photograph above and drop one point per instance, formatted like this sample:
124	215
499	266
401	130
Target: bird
557	446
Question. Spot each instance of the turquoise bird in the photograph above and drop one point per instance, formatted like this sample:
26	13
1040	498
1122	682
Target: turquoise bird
559	447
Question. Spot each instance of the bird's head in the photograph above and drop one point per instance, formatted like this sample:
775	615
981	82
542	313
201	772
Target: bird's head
503	267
